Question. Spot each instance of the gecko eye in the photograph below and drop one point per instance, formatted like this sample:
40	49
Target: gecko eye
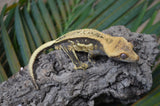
123	56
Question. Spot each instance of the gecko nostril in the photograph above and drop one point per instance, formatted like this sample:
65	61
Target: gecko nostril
136	58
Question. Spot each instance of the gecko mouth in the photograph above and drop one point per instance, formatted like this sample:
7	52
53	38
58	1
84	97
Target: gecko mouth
129	59
135	59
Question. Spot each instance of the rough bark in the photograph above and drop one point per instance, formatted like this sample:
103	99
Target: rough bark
105	80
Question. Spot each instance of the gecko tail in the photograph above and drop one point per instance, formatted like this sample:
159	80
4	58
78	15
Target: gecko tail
35	84
33	58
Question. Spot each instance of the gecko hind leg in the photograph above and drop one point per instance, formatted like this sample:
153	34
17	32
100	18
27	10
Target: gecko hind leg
73	56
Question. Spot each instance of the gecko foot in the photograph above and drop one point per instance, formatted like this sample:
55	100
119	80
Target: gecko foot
82	66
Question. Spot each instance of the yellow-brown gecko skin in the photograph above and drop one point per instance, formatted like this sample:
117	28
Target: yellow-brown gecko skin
91	41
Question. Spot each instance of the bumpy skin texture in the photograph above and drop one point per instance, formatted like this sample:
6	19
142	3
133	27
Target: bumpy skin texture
91	41
105	80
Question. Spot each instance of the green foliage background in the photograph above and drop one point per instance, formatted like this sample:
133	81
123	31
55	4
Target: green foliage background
26	25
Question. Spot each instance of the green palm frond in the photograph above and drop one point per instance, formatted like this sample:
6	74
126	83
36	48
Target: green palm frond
21	37
29	24
32	28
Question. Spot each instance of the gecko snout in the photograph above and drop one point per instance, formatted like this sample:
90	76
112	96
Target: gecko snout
136	58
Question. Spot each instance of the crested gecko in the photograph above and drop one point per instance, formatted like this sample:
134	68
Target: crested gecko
91	41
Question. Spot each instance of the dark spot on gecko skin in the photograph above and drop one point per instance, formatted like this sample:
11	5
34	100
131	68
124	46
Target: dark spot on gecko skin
98	35
60	38
109	41
118	44
125	48
94	34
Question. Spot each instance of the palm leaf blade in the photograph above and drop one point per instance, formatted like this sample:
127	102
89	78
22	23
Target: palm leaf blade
9	17
67	6
39	22
55	15
32	28
127	17
146	16
28	36
149	24
156	79
115	11
21	37
47	19
139	19
76	13
80	19
153	29
99	8
62	10
150	99
2	13
3	75
10	53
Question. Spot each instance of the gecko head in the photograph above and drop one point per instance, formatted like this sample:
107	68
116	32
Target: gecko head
127	57
123	50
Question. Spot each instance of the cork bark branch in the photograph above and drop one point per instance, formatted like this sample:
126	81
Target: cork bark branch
105	81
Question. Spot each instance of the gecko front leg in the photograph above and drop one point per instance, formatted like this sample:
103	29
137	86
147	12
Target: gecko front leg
74	58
